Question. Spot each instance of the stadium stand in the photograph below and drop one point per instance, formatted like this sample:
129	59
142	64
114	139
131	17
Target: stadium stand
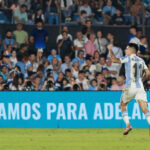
61	45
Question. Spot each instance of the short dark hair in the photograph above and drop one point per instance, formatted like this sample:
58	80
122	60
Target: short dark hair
134	46
38	20
81	72
23	6
67	70
83	12
8	30
133	27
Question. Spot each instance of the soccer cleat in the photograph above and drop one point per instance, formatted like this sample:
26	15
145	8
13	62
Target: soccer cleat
127	129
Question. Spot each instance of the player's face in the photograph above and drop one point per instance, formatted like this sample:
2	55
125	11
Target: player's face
128	51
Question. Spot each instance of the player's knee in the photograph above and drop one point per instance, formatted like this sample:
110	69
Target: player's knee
123	106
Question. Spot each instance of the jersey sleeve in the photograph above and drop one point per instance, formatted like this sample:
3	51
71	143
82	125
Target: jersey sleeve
124	59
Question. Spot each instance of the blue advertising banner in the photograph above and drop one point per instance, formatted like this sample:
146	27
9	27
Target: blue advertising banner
66	110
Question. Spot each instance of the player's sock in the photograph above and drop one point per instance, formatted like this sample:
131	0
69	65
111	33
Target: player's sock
125	118
148	117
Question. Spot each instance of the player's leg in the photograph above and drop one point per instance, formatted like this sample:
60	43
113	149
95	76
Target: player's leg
127	96
141	98
143	106
125	118
124	112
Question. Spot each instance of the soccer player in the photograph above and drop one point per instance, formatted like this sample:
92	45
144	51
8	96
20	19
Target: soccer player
135	71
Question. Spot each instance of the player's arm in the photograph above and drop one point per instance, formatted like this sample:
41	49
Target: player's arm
146	74
113	57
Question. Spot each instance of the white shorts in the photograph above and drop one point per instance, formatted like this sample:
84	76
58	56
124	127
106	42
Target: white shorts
133	93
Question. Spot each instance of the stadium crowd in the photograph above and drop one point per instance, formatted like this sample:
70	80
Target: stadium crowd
116	12
81	63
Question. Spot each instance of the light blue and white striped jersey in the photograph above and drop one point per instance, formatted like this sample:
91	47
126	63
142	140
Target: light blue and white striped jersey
134	68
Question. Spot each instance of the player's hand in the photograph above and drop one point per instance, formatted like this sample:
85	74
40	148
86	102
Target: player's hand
110	46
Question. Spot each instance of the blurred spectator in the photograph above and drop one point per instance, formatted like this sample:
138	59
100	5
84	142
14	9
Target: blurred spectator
67	9
100	64
101	43
15	6
119	85
32	62
108	12
66	64
20	15
82	18
66	85
99	10
30	21
112	70
23	49
65	45
54	64
13	58
2	4
7	52
40	58
116	50
86	7
16	85
89	67
59	82
60	36
52	11
37	83
118	18
102	82
79	43
4	73
39	35
25	2
68	74
110	38
136	12
75	69
22	60
20	35
6	62
27	85
89	46
38	15
133	31
133	36
118	4
96	57
35	4
8	40
49	84
80	58
143	49
139	33
89	27
54	54
93	85
82	81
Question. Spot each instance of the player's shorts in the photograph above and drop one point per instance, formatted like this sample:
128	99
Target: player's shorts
133	93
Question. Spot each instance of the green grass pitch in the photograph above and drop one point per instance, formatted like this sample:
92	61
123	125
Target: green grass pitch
73	139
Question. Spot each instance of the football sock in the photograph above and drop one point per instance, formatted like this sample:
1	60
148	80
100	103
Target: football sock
125	118
148	117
